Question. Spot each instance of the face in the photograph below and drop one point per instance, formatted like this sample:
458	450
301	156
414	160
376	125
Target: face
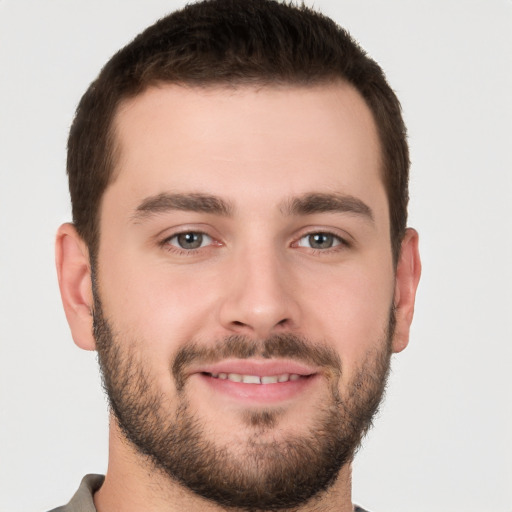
244	286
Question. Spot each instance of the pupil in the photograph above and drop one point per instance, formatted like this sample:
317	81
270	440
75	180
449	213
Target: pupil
190	240
321	241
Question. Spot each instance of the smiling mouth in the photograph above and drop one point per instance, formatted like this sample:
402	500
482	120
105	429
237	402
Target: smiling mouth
256	379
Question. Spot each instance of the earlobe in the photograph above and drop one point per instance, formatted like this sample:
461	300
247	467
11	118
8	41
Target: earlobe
407	278
74	274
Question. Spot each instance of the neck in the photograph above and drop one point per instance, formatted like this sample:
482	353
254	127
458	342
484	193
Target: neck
133	484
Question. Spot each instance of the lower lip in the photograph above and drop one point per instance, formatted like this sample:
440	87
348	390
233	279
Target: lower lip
263	393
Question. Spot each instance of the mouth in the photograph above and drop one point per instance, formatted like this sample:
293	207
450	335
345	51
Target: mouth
257	379
253	381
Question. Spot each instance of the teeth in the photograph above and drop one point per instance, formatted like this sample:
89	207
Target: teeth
255	379
251	379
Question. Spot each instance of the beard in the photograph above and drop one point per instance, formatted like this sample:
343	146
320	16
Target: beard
267	471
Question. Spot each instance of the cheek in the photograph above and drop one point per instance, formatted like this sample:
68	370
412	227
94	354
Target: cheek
351	312
147	302
153	312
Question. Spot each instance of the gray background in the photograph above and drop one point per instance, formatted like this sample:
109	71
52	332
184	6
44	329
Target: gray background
443	439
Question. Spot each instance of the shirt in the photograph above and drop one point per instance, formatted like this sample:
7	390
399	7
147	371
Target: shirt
82	501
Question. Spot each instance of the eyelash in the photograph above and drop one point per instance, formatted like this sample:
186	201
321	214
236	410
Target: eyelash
166	245
341	243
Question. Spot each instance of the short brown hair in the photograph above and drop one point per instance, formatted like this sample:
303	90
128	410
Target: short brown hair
231	42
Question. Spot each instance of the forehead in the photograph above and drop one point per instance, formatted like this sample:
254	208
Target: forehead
246	142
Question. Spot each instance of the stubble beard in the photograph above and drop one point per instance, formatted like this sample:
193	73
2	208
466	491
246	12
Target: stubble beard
267	473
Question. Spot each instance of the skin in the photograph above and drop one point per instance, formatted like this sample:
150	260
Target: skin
257	150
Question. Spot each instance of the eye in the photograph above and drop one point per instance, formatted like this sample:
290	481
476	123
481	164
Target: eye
190	240
320	241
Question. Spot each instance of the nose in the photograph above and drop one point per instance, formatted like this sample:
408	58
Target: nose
259	298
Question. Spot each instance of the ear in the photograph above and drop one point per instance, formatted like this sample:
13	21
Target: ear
74	273
406	282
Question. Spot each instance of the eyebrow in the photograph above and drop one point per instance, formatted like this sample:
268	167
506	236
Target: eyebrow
193	202
306	204
311	203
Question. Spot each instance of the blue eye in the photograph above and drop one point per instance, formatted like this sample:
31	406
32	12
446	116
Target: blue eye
190	240
320	241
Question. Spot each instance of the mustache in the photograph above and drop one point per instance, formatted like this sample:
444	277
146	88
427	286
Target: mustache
237	346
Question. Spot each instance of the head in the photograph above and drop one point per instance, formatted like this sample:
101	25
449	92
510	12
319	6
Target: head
239	256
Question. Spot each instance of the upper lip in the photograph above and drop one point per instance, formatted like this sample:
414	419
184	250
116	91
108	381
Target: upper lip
259	367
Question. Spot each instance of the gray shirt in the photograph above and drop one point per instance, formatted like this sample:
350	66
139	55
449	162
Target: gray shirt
83	501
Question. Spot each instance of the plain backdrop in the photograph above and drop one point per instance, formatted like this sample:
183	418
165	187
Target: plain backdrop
442	441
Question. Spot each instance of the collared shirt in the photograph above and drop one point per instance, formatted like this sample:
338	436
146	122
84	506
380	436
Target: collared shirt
82	501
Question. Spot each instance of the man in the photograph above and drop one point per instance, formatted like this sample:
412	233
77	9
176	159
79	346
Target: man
238	257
